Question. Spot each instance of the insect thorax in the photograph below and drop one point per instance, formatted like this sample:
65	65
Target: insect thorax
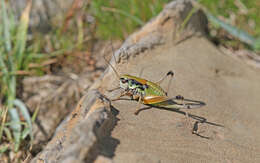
133	87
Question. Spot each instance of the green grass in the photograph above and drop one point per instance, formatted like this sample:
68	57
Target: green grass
13	56
246	12
241	21
119	18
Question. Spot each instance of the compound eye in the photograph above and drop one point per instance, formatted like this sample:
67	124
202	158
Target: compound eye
123	80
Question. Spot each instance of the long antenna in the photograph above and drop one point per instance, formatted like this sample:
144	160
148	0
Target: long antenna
112	68
114	59
113	52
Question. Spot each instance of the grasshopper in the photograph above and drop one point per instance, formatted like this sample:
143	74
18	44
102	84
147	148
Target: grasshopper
151	93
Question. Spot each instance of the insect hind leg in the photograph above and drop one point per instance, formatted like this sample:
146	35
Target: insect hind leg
187	115
169	73
164	77
139	107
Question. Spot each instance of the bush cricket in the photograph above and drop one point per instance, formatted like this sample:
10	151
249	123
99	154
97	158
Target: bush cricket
150	93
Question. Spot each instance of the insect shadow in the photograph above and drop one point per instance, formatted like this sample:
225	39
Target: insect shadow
198	119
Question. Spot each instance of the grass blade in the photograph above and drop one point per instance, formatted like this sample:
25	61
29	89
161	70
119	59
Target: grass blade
3	67
3	149
6	27
186	20
16	127
3	121
35	113
240	34
8	134
257	44
19	104
21	36
124	13
27	130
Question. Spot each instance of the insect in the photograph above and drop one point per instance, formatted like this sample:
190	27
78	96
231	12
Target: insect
151	93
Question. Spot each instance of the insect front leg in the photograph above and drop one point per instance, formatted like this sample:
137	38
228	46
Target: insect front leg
123	93
139	103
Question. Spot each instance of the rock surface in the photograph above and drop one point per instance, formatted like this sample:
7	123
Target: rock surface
43	12
98	131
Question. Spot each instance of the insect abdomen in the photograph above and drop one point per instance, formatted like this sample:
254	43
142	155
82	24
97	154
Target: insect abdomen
154	89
